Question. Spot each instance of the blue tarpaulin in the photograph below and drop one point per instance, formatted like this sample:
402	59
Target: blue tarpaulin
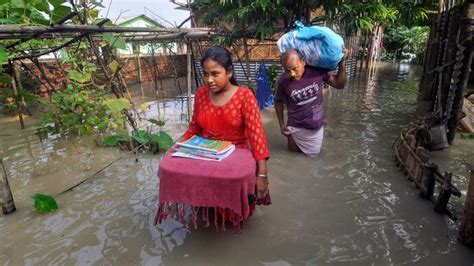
264	89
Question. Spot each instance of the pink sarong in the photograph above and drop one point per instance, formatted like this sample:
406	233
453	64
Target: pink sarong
204	185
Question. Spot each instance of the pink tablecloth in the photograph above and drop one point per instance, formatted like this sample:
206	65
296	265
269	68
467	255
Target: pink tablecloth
223	186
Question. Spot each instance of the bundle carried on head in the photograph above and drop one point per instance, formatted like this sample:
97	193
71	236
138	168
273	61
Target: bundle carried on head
320	46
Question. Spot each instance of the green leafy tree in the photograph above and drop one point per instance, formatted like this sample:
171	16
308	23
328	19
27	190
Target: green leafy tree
399	40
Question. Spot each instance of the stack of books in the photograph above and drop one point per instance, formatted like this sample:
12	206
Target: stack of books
204	149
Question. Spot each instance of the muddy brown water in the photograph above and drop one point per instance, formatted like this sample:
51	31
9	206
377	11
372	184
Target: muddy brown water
349	206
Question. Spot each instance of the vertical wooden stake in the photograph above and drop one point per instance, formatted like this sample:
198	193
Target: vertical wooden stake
428	180
444	195
139	73
17	96
466	230
188	79
8	206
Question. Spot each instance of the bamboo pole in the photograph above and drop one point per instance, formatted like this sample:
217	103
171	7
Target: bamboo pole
188	76
139	73
23	106
155	71
17	97
466	230
15	29
8	205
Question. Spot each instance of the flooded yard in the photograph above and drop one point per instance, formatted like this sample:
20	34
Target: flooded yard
349	205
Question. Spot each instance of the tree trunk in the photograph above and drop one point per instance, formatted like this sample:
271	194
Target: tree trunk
466	230
247	65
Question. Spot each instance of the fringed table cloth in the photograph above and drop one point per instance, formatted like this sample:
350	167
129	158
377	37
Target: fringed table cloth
200	188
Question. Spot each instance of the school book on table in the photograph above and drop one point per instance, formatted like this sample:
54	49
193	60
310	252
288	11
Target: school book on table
204	149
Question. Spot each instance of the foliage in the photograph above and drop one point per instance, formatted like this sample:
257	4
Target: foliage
115	41
157	122
42	12
162	140
353	15
117	105
81	107
272	72
116	140
3	56
253	18
149	141
399	40
467	136
78	110
233	18
7	96
258	18
39	12
45	203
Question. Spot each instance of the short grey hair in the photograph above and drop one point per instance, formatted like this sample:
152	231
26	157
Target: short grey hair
284	56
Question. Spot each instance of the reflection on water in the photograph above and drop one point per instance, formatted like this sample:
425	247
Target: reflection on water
348	205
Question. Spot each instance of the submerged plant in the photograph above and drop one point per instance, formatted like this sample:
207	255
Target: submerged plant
147	141
83	112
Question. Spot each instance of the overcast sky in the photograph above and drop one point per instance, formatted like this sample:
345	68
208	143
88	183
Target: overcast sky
160	10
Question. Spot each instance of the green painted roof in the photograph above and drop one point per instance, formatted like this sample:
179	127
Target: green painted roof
126	22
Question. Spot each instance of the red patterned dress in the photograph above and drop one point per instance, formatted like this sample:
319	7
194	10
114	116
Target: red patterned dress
238	121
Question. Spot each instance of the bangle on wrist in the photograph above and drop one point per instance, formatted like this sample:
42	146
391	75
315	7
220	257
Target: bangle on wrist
263	175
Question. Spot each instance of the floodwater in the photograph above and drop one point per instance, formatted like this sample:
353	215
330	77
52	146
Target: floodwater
350	205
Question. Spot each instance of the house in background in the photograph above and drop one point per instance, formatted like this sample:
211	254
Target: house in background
146	48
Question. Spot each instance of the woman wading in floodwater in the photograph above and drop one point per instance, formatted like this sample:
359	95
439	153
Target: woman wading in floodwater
223	110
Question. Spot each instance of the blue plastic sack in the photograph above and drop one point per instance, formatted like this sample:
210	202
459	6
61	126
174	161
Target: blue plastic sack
320	46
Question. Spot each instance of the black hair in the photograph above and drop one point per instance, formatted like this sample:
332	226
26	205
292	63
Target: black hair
222	57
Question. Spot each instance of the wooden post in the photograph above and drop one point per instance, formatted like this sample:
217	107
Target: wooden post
410	160
8	205
371	48
155	74
15	92
139	72
466	230
428	180
461	71
444	195
188	77
23	106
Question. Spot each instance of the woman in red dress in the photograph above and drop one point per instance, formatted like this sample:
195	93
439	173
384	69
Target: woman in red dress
223	110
